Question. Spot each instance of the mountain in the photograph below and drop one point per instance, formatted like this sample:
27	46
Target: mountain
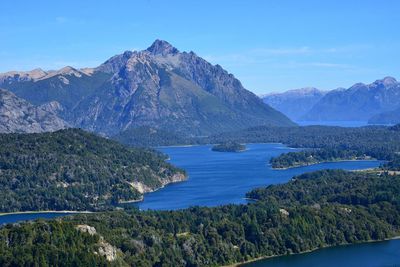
358	103
17	115
294	103
158	87
389	117
75	170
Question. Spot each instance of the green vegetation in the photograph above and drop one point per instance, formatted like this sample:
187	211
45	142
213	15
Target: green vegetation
147	137
315	210
48	243
308	157
329	143
229	147
74	170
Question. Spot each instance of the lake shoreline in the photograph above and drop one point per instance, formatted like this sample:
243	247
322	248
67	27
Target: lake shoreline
240	264
320	162
46	211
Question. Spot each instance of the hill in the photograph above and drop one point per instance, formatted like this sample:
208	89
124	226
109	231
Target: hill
315	210
75	170
389	117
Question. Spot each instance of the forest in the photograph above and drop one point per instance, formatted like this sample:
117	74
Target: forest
229	147
314	156
74	170
312	211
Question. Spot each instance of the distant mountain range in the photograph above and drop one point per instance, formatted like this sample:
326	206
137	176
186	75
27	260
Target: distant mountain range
294	103
389	117
157	87
378	103
17	115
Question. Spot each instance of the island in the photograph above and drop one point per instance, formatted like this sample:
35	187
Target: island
229	147
315	156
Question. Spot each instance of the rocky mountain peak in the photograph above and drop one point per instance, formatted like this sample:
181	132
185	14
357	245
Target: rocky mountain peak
388	81
161	47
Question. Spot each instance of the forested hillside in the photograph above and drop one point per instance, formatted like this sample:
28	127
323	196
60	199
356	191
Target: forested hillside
75	170
314	210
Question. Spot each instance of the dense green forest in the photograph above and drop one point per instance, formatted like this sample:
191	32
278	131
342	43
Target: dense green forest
229	147
376	141
313	210
149	136
308	157
327	143
74	170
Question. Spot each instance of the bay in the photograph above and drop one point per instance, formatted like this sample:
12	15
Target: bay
217	178
375	254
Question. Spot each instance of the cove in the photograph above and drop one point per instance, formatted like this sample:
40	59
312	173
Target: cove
374	254
215	178
218	178
18	217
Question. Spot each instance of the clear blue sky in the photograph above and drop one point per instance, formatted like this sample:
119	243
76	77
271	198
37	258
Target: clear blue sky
268	45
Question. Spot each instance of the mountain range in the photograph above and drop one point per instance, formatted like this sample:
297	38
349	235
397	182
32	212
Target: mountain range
378	103
294	103
158	87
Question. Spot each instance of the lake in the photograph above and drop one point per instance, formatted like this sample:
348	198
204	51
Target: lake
217	178
376	254
13	218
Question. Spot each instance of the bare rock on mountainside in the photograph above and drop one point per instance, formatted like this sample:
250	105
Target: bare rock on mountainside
17	115
158	87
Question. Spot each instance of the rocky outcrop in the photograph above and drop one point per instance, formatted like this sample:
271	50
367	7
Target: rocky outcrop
105	249
17	115
142	188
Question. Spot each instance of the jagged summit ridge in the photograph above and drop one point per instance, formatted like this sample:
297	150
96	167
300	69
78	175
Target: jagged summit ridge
161	47
158	87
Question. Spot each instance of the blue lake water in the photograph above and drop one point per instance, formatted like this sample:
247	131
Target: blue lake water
217	178
378	254
334	123
13	218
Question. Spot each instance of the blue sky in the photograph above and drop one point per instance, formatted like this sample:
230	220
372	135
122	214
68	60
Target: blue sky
268	45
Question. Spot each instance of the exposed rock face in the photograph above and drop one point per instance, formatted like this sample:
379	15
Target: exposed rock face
17	115
294	103
105	249
358	103
86	229
20	76
158	87
142	188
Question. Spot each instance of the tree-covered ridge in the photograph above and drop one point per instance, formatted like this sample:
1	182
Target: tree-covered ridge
314	156
333	187
74	170
50	243
319	209
229	147
377	142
